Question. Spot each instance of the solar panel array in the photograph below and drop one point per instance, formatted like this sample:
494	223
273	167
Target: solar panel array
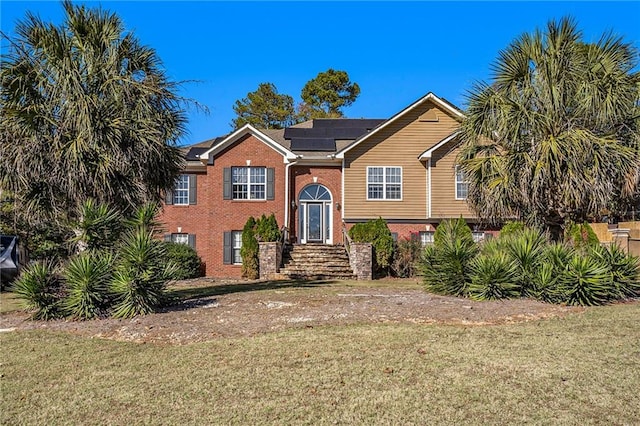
324	133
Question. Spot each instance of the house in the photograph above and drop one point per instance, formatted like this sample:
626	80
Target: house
319	177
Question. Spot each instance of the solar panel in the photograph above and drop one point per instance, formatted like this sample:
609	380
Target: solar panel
333	133
313	144
363	123
194	153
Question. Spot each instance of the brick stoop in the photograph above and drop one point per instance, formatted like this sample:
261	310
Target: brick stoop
316	261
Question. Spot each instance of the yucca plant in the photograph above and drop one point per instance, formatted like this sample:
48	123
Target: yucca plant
140	278
145	216
547	283
40	289
494	277
99	227
87	281
526	250
586	282
446	264
624	270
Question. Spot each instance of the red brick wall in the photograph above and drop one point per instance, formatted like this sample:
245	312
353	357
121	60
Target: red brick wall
212	215
331	178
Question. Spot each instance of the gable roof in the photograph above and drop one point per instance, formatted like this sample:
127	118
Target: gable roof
427	154
429	97
247	129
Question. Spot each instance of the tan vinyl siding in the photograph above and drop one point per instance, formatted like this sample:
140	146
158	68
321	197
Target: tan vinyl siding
397	145
443	185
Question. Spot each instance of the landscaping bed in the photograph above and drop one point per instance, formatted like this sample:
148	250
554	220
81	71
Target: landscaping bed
206	309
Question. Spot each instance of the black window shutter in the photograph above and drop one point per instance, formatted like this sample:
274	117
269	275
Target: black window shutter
271	175
227	252
192	241
193	186
227	183
168	198
167	237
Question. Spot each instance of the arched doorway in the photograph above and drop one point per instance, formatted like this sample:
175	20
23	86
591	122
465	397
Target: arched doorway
315	223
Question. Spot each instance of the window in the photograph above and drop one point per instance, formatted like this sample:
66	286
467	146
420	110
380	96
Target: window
462	185
236	239
426	237
384	183
181	191
249	183
184	191
180	238
478	236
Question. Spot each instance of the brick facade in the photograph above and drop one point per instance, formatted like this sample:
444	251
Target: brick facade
328	176
212	215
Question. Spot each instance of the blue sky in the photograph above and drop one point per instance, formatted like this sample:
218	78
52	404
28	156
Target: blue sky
395	51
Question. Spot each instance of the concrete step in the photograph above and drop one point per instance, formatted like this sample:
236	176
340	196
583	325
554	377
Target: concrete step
316	261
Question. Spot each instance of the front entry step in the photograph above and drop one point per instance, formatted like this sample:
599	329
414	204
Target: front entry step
316	261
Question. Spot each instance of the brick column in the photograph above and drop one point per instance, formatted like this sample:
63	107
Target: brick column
270	258
361	260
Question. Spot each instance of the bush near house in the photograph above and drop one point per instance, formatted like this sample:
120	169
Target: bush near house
188	263
264	229
406	256
526	263
378	234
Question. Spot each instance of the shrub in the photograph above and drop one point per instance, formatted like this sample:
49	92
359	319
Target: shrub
624	270
99	227
494	277
587	282
140	278
407	256
547	283
378	234
87	281
266	229
526	249
40	289
580	236
446	265
250	251
186	260
511	228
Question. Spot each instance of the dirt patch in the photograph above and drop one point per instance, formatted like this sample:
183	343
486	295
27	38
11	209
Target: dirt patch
211	309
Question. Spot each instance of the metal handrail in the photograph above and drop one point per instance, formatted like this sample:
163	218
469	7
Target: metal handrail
346	239
284	238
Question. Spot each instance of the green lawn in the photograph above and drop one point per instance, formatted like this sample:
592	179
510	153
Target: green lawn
582	369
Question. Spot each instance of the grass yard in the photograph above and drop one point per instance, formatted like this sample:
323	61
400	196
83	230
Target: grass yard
580	369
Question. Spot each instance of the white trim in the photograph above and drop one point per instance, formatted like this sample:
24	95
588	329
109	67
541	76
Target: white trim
384	183
325	220
248	183
175	190
235	136
427	154
342	192
456	182
429	187
428	97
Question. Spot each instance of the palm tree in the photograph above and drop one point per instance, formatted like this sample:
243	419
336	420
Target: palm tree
86	112
554	137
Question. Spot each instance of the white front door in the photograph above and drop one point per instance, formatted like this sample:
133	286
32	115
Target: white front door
315	215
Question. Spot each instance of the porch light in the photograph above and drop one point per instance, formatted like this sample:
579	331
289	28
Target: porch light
293	204
338	206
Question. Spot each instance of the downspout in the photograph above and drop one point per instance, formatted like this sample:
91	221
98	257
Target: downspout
287	203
